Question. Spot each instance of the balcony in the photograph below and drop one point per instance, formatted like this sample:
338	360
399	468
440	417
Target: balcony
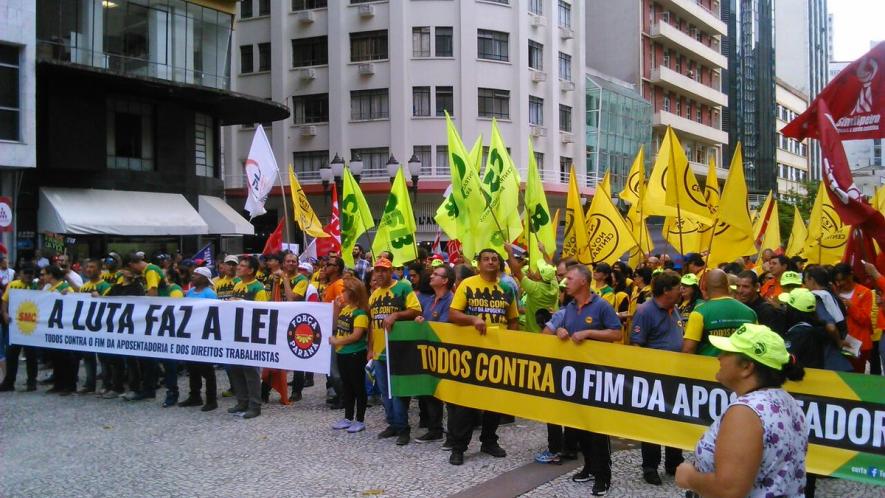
693	129
696	14
670	79
671	37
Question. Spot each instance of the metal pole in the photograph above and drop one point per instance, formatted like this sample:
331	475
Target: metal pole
283	200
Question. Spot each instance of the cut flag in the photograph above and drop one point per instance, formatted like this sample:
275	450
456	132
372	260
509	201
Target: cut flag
274	242
466	189
733	236
636	176
396	230
798	234
538	221
608	235
827	235
574	242
356	218
301	210
261	173
332	243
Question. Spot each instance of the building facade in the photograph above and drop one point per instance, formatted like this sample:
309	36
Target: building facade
672	51
373	81
130	100
792	154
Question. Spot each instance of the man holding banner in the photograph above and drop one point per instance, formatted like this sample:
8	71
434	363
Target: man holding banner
246	380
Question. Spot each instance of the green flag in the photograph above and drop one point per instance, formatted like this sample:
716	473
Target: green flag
499	222
448	216
540	226
396	230
466	190
356	218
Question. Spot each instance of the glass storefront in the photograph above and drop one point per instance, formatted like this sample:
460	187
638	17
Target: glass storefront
173	40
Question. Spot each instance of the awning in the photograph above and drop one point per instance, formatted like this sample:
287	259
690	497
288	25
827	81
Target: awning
222	218
116	212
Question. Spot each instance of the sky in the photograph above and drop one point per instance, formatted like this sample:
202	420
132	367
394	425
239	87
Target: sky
856	24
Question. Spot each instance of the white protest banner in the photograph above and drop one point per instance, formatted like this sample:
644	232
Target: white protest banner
286	336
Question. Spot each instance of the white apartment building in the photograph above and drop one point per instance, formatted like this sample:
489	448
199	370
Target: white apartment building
792	155
372	79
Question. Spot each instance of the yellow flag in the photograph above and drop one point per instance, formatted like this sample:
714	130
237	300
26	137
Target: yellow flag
396	230
356	218
466	190
733	236
606	184
827	235
711	188
685	234
772	238
635	177
682	186
878	200
574	242
765	213
301	210
501	188
537	214
608	234
798	234
638	227
447	214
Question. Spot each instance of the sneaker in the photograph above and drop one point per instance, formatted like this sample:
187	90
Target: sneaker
191	401
209	406
252	413
651	476
227	394
494	450
342	424
600	487
238	409
356	427
582	476
386	433
547	457
456	458
430	437
403	437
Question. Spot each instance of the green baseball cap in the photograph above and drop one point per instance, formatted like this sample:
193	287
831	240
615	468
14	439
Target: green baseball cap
689	279
547	272
791	278
801	299
756	341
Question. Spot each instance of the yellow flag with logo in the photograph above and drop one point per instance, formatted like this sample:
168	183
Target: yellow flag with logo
827	235
301	210
466	191
636	176
356	218
574	242
683	190
760	226
501	189
396	230
606	184
733	236
537	214
798	234
771	239
608	234
448	216
711	188
638	227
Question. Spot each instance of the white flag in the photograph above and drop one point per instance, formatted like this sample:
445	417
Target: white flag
261	173
309	252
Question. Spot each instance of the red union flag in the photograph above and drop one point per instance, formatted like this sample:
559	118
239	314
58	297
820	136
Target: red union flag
856	99
328	245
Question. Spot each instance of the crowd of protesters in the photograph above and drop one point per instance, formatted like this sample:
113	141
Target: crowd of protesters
821	314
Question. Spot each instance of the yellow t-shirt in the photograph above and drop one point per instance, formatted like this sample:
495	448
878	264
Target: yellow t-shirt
384	301
15	284
252	291
102	287
478	297
153	277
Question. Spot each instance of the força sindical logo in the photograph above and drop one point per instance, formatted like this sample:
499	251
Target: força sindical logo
304	336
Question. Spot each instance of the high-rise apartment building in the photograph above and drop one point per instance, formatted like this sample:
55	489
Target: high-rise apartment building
672	51
792	154
372	80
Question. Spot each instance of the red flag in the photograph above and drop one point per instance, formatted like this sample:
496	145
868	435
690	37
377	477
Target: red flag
858	249
856	97
275	240
276	379
328	245
454	250
436	248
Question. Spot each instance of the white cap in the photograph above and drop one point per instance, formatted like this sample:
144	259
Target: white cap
304	265
232	259
202	270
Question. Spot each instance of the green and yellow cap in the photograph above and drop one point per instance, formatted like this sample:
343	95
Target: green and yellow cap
689	279
756	341
791	278
801	299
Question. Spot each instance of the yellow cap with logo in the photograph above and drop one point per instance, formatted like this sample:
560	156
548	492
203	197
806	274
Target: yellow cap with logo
758	342
801	299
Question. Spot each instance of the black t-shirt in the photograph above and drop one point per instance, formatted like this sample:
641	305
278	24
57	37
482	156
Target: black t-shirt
133	289
768	315
808	343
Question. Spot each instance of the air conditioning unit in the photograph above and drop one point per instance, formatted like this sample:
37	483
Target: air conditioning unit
566	86
537	21
308	131
308	73
367	69
566	33
539	76
367	10
306	16
566	137
538	131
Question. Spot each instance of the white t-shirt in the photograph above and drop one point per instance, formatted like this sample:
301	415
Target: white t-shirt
74	278
6	276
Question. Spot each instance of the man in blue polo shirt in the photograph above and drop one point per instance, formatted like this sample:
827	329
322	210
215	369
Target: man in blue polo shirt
657	324
588	317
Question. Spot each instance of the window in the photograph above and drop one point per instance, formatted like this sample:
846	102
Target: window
308	4
565	166
442	159
420	101
10	107
307	164
666	60
493	45
308	109
539	160
264	56
374	161
368	104
424	154
536	110
246	64
263	7
505	2
130	135
565	14
421	41
445	100
310	51
204	144
494	103
444	47
245	9
536	7
699	117
536	55
667	103
565	118
565	67
368	46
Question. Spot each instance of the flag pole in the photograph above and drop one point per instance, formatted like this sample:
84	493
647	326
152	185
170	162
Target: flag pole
672	171
283	199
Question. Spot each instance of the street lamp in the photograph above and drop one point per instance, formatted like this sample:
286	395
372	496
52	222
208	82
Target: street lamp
326	177
337	168
415	171
356	166
392	168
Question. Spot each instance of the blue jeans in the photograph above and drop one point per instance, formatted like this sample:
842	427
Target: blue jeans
396	410
170	381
